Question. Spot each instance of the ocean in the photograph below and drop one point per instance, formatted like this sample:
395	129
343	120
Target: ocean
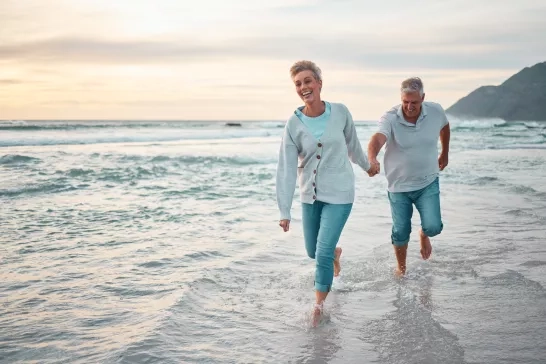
158	242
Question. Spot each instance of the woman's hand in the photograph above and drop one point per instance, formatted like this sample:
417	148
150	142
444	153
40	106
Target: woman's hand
285	224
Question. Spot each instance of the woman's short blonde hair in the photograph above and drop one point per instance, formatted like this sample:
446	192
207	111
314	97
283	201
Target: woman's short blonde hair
306	66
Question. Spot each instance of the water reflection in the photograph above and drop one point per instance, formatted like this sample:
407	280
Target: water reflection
322	345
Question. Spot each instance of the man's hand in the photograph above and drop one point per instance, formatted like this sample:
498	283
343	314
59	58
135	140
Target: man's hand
445	135
285	224
374	146
442	161
375	167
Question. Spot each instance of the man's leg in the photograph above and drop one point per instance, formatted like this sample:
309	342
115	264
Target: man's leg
427	202
401	211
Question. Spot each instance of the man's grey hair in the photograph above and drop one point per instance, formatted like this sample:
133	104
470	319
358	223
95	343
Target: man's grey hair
306	66
413	84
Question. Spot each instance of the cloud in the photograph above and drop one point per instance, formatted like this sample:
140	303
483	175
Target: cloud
440	35
90	50
10	81
470	49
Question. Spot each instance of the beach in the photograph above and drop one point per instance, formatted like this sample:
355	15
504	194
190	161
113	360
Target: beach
158	242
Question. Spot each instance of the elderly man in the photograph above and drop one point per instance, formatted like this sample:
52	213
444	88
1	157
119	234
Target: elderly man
410	131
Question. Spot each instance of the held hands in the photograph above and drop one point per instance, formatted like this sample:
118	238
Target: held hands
375	168
442	161
285	224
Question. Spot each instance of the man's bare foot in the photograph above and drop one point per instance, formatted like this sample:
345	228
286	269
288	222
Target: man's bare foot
317	313
426	247
400	271
400	252
337	265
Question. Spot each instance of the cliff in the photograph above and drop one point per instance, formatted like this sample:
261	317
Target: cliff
521	97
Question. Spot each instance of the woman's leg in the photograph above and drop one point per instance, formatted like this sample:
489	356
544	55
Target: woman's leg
337	263
311	225
332	222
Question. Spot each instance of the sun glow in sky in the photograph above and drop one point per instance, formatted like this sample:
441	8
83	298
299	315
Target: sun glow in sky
229	60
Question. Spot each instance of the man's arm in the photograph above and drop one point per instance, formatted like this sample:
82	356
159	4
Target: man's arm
445	135
443	159
377	142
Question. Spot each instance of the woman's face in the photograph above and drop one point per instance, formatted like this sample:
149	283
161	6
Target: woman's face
307	87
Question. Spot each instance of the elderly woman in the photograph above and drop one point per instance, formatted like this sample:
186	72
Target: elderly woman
318	144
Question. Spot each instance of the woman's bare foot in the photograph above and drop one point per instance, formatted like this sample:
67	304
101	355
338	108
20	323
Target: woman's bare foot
426	247
337	265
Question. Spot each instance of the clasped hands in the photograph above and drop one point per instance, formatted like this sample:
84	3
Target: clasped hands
375	168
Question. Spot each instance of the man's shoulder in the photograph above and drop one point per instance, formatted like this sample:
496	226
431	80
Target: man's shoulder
433	106
391	114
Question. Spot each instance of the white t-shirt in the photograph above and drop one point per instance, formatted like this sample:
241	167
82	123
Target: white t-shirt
411	153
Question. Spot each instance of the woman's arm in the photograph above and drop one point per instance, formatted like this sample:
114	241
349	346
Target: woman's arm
287	171
356	153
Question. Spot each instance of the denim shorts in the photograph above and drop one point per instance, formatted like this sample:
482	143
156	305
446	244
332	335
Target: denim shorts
427	202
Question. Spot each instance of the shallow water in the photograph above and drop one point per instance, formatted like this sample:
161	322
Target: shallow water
162	245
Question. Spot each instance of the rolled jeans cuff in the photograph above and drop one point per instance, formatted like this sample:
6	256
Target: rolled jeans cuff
400	243
322	287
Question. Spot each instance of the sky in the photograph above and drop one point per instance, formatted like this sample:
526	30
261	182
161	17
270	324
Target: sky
230	59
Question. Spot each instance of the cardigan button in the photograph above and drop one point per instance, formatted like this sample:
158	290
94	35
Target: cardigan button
318	156
315	171
319	145
314	197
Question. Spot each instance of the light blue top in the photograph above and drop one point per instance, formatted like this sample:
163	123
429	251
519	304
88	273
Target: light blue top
315	124
322	167
411	152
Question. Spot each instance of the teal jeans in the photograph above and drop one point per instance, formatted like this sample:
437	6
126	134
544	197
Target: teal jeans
427	202
322	227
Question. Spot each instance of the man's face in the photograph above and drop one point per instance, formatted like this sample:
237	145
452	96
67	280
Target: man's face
411	104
